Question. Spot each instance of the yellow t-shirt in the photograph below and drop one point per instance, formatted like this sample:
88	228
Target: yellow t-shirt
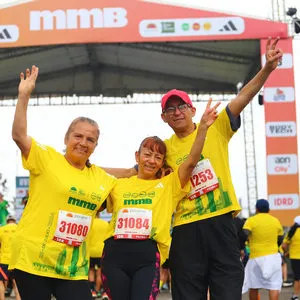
265	230
54	186
6	234
223	199
96	237
160	196
294	244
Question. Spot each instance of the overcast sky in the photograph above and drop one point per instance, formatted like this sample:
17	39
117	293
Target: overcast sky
124	126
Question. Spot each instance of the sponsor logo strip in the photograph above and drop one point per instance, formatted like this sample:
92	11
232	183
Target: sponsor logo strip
283	201
192	27
282	164
279	94
280	129
286	62
9	33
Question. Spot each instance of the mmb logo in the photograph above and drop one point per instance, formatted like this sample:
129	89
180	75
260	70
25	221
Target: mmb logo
9	33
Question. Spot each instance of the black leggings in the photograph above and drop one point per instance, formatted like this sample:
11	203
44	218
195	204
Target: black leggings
34	287
130	269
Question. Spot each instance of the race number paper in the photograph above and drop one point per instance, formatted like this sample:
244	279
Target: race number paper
71	228
203	179
133	223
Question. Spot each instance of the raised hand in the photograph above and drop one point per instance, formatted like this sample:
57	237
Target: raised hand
210	114
273	54
27	82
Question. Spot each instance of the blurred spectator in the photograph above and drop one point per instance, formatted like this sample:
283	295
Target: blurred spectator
3	210
263	269
6	234
25	199
291	247
96	238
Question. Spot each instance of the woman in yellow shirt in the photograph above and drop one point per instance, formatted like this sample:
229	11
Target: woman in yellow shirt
138	236
50	249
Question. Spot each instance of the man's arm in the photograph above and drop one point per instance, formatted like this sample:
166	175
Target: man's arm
273	57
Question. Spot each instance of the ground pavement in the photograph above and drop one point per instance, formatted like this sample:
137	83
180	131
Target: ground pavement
284	295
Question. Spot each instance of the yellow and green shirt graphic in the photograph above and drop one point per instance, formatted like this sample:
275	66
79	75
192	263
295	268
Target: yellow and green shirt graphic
223	199
56	185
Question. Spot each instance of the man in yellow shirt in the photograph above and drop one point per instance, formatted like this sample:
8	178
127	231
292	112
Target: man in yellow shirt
205	251
263	269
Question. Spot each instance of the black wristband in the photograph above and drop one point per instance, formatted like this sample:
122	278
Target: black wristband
136	167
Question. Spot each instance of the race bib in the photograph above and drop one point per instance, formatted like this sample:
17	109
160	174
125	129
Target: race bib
72	228
133	223
203	179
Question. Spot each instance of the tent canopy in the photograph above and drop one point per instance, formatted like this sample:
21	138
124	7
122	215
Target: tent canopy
122	69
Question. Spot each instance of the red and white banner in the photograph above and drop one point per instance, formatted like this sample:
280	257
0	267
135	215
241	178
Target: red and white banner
281	137
44	22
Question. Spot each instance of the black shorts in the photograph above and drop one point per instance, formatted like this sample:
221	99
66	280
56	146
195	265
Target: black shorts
295	263
5	274
206	253
95	262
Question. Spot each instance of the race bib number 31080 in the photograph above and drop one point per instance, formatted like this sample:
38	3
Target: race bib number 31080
71	228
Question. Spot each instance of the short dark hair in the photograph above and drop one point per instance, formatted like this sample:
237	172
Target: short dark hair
262	205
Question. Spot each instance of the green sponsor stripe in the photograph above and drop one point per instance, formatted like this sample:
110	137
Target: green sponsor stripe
85	262
211	202
59	268
73	267
199	206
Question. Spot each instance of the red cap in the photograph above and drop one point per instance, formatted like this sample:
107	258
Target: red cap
181	94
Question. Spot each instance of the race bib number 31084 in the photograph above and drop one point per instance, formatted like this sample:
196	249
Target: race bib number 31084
133	223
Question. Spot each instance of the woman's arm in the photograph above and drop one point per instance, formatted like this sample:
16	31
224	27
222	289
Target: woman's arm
121	172
19	129
208	118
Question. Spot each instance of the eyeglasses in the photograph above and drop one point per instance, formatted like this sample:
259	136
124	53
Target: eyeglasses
172	109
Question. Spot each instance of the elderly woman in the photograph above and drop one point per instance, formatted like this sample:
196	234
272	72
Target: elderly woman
50	254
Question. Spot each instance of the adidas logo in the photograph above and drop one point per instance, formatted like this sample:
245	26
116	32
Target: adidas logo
159	186
229	27
9	33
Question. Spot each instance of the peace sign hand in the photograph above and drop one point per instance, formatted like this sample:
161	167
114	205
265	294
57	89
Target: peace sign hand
273	54
210	114
27	84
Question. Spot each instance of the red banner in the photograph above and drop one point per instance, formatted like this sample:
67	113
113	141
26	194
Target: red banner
44	22
281	137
